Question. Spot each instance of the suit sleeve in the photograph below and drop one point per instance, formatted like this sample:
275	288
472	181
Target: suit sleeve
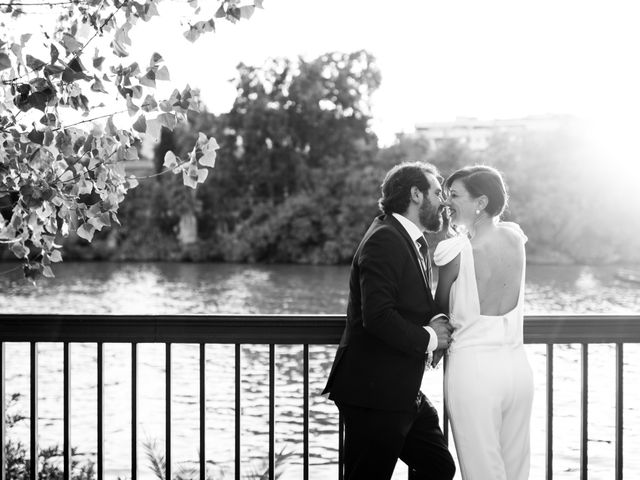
382	261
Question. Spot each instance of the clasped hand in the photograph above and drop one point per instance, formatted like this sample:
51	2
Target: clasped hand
443	329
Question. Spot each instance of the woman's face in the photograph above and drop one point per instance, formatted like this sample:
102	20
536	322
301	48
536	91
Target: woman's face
462	208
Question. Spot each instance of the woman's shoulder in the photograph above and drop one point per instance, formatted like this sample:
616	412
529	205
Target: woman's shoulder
513	230
448	249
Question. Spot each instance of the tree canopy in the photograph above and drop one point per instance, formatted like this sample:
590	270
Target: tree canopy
61	166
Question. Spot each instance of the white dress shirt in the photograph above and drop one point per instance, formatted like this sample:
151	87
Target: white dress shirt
415	233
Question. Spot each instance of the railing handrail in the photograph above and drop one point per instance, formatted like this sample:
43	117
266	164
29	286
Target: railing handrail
276	329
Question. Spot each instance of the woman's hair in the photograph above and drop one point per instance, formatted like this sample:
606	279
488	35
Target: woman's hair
396	186
482	180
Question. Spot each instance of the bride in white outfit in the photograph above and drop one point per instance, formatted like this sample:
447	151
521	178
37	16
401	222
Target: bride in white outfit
488	380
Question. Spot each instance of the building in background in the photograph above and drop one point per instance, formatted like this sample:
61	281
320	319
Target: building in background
476	133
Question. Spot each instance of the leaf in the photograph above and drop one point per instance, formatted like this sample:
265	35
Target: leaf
38	100
202	174
148	80
247	11
34	63
47	272
70	44
163	74
170	160
209	148
132	182
49	119
36	137
120	39
19	250
149	104
131	107
86	231
156	58
54	53
110	128
140	125
5	61
97	62
188	180
55	256
97	85
154	128
101	221
167	120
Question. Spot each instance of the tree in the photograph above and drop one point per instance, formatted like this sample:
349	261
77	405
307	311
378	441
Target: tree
298	143
62	170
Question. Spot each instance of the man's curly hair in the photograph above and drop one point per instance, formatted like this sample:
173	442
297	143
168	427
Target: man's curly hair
396	186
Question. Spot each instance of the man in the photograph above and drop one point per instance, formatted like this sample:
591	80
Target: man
393	326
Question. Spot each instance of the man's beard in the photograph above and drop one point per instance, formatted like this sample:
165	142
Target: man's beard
430	217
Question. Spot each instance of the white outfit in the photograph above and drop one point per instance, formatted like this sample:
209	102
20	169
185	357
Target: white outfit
488	381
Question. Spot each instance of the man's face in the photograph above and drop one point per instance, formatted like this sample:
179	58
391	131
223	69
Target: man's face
432	206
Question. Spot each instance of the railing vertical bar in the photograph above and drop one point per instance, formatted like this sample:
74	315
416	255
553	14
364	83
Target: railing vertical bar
167	420
445	411
549	446
619	411
584	411
66	416
237	411
305	412
203	412
2	413
33	411
134	411
272	405
100	412
340	447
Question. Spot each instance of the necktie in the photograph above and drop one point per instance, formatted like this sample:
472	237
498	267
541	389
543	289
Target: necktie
425	261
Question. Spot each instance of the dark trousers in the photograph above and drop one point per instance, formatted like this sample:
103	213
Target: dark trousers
375	439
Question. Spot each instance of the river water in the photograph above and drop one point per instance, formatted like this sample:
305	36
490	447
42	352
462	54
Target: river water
174	288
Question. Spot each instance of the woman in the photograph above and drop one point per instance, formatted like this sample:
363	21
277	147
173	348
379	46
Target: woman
488	380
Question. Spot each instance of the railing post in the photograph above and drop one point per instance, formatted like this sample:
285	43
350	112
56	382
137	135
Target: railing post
67	412
134	411
305	412
100	409
549	388
203	412
237	411
33	433
2	413
168	411
340	447
272	404
619	411
584	412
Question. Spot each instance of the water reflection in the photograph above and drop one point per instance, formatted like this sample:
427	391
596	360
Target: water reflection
170	288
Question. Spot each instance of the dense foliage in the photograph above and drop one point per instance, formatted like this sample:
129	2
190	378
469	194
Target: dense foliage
61	164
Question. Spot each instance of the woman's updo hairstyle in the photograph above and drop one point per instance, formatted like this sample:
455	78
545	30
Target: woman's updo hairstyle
482	180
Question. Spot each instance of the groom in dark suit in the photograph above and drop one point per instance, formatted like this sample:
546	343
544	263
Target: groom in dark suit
393	327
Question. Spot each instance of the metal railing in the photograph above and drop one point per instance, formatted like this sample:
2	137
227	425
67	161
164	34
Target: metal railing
271	330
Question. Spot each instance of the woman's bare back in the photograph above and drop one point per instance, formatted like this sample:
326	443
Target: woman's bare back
498	260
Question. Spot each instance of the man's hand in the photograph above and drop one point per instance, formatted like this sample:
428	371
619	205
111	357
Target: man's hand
443	330
437	356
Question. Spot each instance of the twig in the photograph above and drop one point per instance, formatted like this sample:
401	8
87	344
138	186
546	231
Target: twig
42	4
99	30
87	120
11	270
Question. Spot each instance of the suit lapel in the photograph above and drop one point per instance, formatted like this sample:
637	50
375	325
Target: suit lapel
390	219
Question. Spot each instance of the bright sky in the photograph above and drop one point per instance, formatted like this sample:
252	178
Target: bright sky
439	59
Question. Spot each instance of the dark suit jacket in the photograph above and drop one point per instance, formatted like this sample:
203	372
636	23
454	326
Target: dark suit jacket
381	357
